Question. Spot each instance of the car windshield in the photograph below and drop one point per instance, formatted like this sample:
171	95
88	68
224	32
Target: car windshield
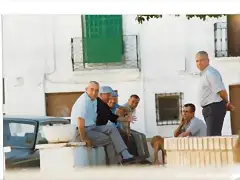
41	139
18	133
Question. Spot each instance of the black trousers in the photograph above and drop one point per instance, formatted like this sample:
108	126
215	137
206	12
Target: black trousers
130	143
214	115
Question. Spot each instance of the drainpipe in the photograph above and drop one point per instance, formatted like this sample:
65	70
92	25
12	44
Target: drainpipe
142	75
53	67
53	47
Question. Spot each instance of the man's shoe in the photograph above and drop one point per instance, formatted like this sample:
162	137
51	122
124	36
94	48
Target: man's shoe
129	160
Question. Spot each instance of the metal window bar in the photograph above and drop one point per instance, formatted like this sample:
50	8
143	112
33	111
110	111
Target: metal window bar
164	122
130	57
221	39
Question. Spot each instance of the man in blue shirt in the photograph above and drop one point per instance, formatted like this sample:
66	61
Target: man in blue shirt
112	103
84	116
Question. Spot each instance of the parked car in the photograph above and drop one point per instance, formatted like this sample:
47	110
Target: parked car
22	134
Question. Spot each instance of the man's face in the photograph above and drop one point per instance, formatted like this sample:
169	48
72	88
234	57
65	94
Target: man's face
133	102
187	113
112	101
105	97
202	62
92	91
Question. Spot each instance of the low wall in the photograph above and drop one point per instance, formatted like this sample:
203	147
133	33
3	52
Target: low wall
200	151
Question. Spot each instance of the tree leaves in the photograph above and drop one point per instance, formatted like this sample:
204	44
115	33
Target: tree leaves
142	18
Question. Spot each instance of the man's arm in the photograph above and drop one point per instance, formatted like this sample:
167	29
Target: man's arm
217	85
185	134
178	131
112	117
192	129
216	82
81	126
80	112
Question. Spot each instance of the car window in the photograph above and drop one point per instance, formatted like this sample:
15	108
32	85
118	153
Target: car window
18	134
41	139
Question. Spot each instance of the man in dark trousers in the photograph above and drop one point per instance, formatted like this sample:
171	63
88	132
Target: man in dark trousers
213	95
104	113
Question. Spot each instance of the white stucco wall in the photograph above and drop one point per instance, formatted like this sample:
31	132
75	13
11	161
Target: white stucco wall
37	60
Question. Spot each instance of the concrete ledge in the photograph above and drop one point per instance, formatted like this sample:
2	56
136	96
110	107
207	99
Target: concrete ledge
200	151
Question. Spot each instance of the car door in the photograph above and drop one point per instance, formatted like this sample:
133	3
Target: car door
20	135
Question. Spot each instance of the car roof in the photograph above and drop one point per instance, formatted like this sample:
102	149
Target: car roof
32	118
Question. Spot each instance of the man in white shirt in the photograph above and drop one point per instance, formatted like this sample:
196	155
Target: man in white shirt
213	95
84	115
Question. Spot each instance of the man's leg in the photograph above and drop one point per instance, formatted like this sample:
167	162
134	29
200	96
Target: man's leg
101	139
144	146
129	141
117	141
139	142
209	119
214	115
219	112
114	135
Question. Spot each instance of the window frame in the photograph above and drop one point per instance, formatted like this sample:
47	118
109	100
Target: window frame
158	96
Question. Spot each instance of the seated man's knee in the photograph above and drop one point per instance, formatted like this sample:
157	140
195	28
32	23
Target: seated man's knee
112	128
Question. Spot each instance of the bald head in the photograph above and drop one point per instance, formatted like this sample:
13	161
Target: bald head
92	89
202	60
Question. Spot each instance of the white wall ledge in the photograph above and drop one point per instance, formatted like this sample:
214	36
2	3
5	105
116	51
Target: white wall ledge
227	59
189	73
104	71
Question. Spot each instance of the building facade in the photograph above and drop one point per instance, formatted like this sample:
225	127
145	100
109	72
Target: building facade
49	59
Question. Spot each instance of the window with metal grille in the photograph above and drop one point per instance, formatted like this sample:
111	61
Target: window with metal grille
221	39
168	108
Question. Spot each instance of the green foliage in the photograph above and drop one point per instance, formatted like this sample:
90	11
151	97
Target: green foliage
142	18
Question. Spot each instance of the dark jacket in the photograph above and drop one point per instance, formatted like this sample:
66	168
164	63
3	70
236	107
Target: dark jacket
104	113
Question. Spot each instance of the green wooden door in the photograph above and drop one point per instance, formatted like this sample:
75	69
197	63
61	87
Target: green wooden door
102	38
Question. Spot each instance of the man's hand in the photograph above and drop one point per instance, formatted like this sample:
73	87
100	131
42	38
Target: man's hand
132	119
88	142
230	107
182	121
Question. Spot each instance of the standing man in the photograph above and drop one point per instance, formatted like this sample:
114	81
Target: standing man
140	138
84	116
213	95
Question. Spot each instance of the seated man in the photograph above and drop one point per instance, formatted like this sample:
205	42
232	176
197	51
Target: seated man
112	103
140	138
189	124
106	116
84	116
